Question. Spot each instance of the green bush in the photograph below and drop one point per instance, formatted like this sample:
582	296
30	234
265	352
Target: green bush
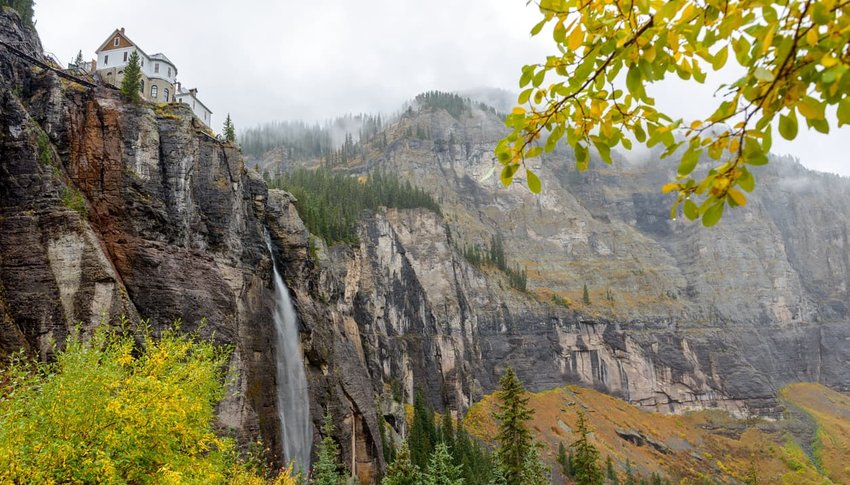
73	199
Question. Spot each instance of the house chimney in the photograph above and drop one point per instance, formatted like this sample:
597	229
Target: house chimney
122	30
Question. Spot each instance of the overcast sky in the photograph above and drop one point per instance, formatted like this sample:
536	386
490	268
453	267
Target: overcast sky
264	60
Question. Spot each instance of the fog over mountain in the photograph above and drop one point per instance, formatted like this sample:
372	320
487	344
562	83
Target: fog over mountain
266	61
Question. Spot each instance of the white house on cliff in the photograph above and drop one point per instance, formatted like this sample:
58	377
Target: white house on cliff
159	75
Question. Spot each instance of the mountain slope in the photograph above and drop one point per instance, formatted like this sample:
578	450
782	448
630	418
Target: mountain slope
808	446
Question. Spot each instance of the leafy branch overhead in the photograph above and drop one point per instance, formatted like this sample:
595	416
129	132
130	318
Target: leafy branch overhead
794	55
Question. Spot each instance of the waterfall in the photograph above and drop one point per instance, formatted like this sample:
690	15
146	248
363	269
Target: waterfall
293	403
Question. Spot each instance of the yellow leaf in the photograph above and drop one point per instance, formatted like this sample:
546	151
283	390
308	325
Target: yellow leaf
576	37
812	36
519	110
669	187
828	61
737	196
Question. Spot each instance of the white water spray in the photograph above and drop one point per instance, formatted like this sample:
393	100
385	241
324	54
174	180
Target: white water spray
293	403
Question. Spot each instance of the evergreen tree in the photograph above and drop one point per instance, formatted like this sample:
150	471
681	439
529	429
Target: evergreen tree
229	130
630	476
131	83
497	476
326	469
78	61
585	296
585	464
564	460
423	433
514	438
402	471
447	433
475	461
612	474
441	469
25	9
534	471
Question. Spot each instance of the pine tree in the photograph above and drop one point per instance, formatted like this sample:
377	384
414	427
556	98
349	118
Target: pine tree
447	433
423	433
564	461
229	130
441	469
534	471
612	474
497	476
25	8
585	464
402	471
630	476
326	470
78	61
132	79
585	296
514	439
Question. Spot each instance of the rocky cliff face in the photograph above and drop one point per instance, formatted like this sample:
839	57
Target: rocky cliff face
110	209
680	317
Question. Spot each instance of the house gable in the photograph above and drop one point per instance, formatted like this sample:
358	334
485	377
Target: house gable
123	42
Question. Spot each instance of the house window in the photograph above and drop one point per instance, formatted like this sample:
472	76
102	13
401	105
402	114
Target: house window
165	94
142	86
193	104
105	60
116	41
125	57
156	67
169	72
154	90
120	72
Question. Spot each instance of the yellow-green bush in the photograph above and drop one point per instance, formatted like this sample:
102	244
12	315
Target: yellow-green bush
111	411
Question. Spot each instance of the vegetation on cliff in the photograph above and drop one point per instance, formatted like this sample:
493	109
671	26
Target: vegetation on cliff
494	255
331	204
111	410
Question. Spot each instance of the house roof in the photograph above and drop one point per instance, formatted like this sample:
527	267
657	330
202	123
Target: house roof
159	56
120	33
189	92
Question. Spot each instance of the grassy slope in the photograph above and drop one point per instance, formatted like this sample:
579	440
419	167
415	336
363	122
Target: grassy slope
702	445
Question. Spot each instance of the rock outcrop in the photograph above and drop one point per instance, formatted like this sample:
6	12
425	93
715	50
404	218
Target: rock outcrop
109	209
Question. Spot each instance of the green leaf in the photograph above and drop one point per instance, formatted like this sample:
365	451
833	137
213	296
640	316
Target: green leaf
508	174
788	126
746	181
713	214
581	156
537	28
844	112
533	181
633	82
689	161
691	210
640	135
603	149
763	74
524	95
720	58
